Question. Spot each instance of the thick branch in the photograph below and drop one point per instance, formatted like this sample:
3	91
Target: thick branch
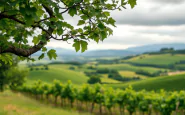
23	52
30	51
12	17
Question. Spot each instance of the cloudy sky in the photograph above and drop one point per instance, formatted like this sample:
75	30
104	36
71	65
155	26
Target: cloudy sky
150	22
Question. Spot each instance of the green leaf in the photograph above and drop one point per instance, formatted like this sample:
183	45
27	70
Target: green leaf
44	49
22	10
6	58
52	54
73	32
76	45
60	31
40	12
107	13
35	40
45	16
101	26
96	39
81	22
41	56
84	17
65	24
103	35
56	10
29	20
77	1
80	30
123	3
112	21
12	12
72	11
132	3
110	31
102	1
83	45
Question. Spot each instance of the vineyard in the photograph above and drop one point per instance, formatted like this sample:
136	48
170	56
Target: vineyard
100	100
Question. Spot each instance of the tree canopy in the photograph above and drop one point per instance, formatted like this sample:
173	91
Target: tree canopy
40	21
10	75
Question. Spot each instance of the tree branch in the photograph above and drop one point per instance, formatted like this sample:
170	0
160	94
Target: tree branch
30	51
12	17
23	52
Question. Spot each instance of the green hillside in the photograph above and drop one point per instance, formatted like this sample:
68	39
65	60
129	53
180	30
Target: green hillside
128	67
158	59
17	104
59	72
169	83
125	68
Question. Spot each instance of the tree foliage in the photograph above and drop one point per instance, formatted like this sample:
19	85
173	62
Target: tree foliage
10	75
94	79
43	20
16	77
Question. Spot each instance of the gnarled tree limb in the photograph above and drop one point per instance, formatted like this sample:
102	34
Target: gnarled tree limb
32	50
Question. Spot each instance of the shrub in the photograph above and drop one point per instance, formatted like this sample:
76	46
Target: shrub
146	73
89	74
72	68
46	67
116	76
94	79
31	69
91	67
102	71
37	68
105	71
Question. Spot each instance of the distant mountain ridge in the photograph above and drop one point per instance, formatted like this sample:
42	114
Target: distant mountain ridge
61	52
155	47
108	53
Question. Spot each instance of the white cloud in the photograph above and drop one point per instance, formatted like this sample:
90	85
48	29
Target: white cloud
126	36
151	14
150	22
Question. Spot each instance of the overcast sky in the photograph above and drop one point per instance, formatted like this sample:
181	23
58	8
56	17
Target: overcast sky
150	22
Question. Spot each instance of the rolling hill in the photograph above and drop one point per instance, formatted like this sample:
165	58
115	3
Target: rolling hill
128	67
169	83
59	72
151	63
159	59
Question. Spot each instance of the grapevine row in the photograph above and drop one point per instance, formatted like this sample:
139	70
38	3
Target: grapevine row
100	100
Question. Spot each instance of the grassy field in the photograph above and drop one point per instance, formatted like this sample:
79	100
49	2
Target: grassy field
130	74
128	67
63	73
105	78
169	83
163	59
59	72
17	104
